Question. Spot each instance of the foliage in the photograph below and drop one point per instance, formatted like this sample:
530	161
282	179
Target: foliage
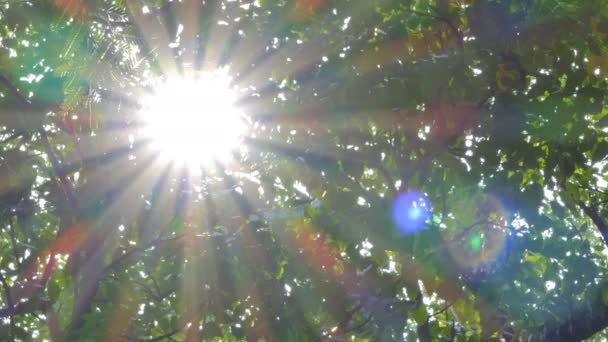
492	110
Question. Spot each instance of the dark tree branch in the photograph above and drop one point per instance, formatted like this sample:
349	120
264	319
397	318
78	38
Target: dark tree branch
9	303
594	215
388	178
58	170
441	17
452	329
14	91
349	316
11	231
582	325
593	189
443	310
33	286
134	250
173	332
360	325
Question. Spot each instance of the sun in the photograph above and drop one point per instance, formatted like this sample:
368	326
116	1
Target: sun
193	121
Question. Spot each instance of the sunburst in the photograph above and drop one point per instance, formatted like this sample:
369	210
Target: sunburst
193	121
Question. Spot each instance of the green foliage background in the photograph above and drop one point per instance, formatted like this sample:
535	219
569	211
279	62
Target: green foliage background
495	110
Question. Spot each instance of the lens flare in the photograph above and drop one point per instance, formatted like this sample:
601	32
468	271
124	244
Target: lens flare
411	211
485	242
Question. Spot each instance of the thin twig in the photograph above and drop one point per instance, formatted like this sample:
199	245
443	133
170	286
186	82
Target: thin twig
452	27
361	325
387	176
443	310
349	316
592	189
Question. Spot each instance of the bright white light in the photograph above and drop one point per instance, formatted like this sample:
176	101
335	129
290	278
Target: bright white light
193	121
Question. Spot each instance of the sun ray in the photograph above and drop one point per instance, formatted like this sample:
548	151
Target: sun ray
310	53
191	12
112	216
155	35
217	38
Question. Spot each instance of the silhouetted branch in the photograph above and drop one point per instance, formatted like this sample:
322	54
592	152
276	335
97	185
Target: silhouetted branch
134	250
66	185
593	189
443	310
594	215
360	325
9	303
14	91
442	18
349	317
168	335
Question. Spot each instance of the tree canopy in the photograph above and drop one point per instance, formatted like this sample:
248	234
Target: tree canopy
430	170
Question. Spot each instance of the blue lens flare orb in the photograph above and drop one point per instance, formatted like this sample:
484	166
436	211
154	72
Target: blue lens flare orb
411	210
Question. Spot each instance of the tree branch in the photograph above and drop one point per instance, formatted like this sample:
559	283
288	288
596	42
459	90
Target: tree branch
349	316
14	91
584	324
168	335
11	231
442	18
360	325
66	185
133	250
443	310
594	215
10	304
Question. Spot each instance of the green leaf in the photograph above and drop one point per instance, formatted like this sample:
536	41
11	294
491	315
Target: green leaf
420	315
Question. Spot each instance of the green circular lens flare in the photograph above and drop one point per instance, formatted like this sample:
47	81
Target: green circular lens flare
476	241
